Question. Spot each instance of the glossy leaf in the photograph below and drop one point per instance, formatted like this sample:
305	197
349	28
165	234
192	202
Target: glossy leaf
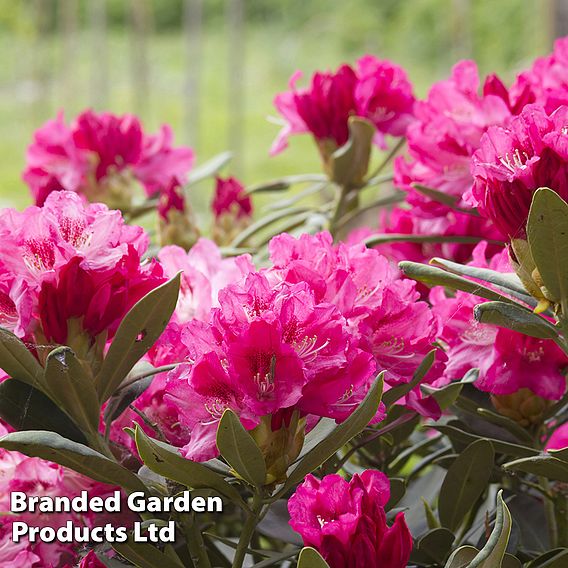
237	446
547	232
311	558
516	318
137	332
17	361
466	480
26	408
545	465
436	544
165	460
342	433
71	386
53	447
145	555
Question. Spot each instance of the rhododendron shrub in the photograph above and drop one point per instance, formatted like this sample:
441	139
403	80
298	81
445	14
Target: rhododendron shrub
359	394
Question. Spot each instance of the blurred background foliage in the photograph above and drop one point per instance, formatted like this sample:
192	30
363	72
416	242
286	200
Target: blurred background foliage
212	67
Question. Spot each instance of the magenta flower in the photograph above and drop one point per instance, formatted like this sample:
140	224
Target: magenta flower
91	561
346	521
381	309
448	130
508	361
513	162
231	198
104	157
559	438
70	261
376	90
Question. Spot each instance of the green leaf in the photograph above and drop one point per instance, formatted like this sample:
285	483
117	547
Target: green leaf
237	446
545	465
445	396
286	182
463	437
431	519
396	393
17	361
515	318
53	447
145	555
432	276
436	195
165	460
547	232
26	408
436	544
311	558
71	386
466	480
137	332
397	491
556	558
350	162
461	557
404	238
492	554
209	168
560	454
342	434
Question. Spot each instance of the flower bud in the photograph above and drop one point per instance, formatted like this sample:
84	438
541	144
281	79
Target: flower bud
523	406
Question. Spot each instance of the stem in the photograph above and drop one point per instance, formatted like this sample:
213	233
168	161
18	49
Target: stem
394	151
339	209
561	518
248	530
549	511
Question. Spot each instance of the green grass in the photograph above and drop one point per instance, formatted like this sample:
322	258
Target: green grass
272	53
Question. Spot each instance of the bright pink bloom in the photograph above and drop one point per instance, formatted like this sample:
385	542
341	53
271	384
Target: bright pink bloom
204	273
380	307
346	521
102	154
447	132
230	197
507	360
512	163
70	260
376	90
559	438
171	198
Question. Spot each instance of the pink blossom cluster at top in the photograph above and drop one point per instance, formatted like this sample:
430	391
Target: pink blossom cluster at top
377	90
43	479
70	261
346	521
98	153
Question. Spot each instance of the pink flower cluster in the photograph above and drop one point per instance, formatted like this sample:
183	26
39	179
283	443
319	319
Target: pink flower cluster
70	265
103	157
346	521
43	479
514	161
376	90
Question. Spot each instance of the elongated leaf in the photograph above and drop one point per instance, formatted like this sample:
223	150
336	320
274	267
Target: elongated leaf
344	432
464	483
285	182
396	393
499	446
209	168
53	447
515	318
509	281
547	231
26	408
237	446
165	460
71	386
436	195
311	558
432	276
556	558
560	454
492	554
17	361
545	465
404	238
145	555
137	332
